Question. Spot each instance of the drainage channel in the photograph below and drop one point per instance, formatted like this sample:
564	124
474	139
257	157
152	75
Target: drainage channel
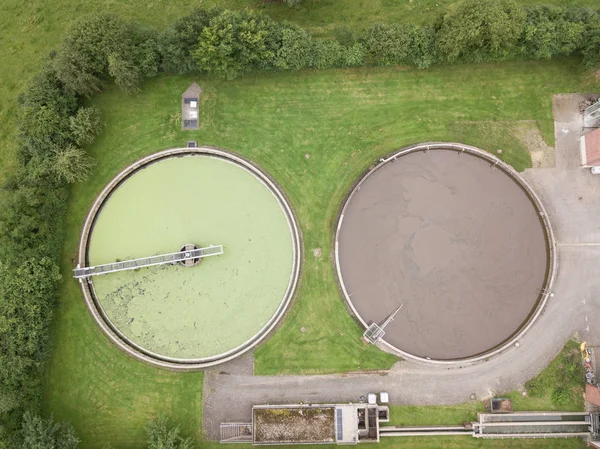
407	431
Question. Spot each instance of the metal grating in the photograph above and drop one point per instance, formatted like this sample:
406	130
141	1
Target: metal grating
339	427
374	333
190	123
161	259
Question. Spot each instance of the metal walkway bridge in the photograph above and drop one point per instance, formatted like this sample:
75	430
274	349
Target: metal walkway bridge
162	259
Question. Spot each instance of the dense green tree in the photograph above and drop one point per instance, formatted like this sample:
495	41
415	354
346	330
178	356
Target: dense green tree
82	61
478	30
31	217
85	125
345	36
295	52
399	44
591	47
554	31
27	291
42	127
71	164
39	433
177	41
235	43
163	436
125	73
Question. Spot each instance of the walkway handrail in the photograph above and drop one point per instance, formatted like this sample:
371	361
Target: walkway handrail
161	259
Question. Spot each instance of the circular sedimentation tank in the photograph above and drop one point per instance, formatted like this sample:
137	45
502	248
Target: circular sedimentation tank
456	236
191	315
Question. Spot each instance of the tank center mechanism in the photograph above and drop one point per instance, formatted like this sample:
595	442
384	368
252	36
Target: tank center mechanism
189	255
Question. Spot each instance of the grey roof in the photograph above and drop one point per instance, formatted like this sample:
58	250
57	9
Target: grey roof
193	91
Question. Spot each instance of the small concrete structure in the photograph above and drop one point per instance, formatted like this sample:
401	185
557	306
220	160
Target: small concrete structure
591	115
308	424
190	106
589	149
501	405
535	425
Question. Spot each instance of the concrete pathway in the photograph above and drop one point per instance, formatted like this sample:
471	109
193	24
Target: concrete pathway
571	196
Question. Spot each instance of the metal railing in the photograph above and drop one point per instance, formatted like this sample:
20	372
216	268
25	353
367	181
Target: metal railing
161	259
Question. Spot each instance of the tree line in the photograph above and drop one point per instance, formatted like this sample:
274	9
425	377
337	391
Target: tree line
54	126
228	44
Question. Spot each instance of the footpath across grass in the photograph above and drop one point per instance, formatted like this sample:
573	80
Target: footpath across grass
315	133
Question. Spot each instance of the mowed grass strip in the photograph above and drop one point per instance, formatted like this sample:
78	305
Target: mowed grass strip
315	133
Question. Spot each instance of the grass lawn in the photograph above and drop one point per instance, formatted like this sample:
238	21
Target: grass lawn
343	120
31	29
104	393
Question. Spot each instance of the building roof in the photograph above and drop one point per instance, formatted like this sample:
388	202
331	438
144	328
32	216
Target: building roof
190	107
193	91
592	148
592	394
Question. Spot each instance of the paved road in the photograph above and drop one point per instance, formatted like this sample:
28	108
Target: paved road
572	199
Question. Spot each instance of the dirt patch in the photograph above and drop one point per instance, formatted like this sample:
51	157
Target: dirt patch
294	425
542	155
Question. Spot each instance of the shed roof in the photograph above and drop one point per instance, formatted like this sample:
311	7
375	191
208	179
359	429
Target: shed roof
592	148
193	91
592	394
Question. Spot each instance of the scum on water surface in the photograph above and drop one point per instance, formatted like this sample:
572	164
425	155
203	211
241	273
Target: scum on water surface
202	311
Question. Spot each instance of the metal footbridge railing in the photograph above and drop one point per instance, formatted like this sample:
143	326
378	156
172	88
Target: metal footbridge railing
162	259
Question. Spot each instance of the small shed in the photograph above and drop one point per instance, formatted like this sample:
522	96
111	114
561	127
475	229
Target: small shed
589	148
190	107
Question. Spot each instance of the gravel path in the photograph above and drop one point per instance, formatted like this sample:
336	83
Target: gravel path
572	199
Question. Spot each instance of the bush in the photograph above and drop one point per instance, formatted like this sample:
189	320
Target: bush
71	164
83	61
44	115
591	46
554	31
162	436
399	44
176	43
85	125
41	433
235	43
326	54
345	36
295	51
480	30
561	396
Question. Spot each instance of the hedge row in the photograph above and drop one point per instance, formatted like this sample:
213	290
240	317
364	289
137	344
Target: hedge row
54	126
228	44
